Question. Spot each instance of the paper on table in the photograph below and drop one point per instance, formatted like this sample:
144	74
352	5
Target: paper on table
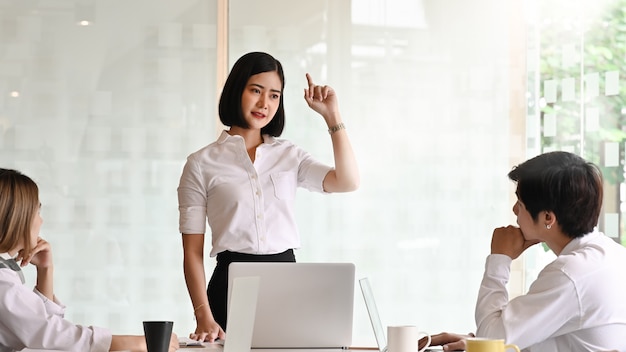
187	342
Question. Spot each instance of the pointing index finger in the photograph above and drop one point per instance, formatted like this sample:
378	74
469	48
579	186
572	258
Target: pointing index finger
309	80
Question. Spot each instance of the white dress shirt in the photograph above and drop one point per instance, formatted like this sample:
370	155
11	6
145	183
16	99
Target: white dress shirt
577	303
30	320
249	206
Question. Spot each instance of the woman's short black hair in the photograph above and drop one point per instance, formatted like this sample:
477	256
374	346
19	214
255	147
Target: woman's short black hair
565	184
230	101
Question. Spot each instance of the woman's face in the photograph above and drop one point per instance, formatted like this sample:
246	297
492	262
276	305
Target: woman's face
260	99
35	227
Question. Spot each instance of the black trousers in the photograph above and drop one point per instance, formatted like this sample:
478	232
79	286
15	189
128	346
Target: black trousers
218	285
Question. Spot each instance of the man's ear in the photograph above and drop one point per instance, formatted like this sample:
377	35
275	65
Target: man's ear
549	219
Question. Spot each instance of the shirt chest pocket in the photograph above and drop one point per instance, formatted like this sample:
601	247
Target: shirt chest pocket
285	184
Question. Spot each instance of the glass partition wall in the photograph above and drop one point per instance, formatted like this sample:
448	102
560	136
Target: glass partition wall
576	96
425	92
101	102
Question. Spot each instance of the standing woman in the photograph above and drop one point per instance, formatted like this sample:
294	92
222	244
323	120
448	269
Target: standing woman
34	318
245	183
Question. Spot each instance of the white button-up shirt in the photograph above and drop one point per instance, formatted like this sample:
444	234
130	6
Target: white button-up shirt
28	319
576	304
249	206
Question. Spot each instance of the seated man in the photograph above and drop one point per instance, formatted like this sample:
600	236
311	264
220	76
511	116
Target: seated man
577	301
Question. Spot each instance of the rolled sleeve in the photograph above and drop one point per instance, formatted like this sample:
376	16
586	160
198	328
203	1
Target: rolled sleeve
191	199
311	175
101	339
192	220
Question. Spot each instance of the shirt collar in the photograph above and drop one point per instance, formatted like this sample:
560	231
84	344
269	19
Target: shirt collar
10	263
225	137
577	242
5	256
267	139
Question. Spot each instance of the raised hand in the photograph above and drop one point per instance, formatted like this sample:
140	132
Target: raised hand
40	256
510	241
322	99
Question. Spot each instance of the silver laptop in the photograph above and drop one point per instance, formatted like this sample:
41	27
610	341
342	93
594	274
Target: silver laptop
240	320
377	325
372	311
241	314
300	305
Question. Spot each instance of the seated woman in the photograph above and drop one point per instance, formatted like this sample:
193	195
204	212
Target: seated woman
577	301
34	319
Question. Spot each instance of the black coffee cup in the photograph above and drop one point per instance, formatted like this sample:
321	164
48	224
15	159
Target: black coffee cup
158	335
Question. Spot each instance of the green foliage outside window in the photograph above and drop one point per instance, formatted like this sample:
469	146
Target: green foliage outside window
598	39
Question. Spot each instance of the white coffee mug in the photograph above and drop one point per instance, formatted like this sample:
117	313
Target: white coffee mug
404	338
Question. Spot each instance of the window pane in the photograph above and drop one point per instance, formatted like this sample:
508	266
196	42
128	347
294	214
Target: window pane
427	105
101	102
575	95
103	113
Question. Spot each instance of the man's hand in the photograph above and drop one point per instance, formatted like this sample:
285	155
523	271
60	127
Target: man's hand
510	241
450	342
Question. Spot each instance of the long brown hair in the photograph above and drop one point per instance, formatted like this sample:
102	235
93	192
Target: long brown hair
19	203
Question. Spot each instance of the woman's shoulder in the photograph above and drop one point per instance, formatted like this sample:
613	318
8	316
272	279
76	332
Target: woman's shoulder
220	142
8	277
11	287
203	149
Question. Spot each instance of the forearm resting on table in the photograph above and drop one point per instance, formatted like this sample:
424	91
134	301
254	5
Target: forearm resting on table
128	343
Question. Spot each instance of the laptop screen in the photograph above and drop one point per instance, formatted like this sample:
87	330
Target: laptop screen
372	311
241	314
